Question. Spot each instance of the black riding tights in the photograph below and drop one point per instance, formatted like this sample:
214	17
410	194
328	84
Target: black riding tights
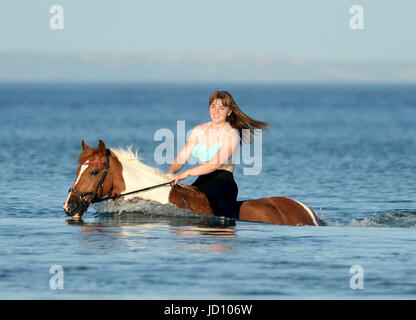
221	190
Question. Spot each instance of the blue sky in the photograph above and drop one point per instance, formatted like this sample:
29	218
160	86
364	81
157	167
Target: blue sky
291	30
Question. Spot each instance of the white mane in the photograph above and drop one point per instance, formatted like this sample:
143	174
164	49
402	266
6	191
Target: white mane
138	175
132	158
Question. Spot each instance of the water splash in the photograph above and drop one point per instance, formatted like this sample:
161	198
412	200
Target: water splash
395	218
403	218
143	207
153	209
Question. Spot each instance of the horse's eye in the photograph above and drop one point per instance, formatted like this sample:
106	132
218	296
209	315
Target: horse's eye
94	172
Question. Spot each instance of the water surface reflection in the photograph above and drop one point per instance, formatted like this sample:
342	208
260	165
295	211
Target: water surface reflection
141	232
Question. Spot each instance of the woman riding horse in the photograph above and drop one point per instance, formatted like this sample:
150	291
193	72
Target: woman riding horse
214	144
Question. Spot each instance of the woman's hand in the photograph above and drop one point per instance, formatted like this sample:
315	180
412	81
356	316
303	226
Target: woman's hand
179	177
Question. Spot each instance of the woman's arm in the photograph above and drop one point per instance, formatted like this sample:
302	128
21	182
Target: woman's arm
185	153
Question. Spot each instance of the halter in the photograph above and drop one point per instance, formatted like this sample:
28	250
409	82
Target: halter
94	193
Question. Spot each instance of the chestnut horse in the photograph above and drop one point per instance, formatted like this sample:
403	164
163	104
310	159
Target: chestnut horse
104	173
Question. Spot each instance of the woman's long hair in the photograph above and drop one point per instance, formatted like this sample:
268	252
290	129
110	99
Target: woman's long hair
238	119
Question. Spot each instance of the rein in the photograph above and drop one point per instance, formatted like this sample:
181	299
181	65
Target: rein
131	192
100	184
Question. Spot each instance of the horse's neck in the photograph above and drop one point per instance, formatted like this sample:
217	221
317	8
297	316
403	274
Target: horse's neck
139	177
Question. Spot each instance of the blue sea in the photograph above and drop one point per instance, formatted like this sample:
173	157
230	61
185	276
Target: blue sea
347	151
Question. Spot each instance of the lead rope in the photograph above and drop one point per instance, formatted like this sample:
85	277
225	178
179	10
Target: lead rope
131	192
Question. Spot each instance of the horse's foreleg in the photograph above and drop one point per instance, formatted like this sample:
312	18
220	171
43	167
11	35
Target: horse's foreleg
190	198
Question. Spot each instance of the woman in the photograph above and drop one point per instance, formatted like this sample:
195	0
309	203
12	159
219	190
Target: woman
214	144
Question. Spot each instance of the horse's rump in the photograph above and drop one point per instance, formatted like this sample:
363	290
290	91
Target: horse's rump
277	210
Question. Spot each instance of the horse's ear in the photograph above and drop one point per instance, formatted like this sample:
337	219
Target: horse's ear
101	147
84	146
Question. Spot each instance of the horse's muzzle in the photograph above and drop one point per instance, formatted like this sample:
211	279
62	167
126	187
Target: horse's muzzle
76	207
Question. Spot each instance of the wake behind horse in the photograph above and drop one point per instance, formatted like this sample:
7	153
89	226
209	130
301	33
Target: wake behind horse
104	173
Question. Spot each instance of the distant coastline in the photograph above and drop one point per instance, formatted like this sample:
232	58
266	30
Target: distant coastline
186	68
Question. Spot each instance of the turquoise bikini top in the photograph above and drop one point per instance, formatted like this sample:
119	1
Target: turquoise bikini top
204	153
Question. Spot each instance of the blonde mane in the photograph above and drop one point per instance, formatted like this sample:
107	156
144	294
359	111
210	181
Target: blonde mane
130	157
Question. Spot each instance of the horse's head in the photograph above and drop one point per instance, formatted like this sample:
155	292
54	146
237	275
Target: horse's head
99	174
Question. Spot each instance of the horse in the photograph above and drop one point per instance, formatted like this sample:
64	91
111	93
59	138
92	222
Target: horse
107	174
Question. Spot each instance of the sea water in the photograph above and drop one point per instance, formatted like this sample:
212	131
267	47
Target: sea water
347	151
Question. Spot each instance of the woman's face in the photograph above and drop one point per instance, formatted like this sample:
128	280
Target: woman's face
218	111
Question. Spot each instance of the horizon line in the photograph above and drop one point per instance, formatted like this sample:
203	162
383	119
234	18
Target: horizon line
221	55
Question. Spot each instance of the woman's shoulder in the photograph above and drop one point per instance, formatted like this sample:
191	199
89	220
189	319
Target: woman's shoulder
231	131
201	126
197	130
